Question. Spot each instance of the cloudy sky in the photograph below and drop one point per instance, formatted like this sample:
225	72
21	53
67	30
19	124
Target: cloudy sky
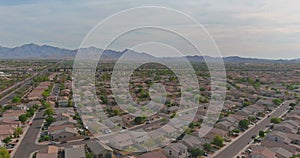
250	28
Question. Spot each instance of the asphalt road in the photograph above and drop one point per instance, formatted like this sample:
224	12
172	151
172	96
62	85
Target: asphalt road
235	147
17	84
6	99
28	144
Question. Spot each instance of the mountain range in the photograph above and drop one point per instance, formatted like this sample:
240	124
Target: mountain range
34	51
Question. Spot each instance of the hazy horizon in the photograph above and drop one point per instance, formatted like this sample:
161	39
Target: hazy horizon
155	55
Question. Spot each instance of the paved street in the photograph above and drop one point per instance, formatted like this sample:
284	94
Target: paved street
28	145
234	148
9	95
16	85
6	99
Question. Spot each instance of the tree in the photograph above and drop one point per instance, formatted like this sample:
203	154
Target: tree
252	118
7	107
23	118
116	112
246	103
46	93
35	106
275	120
7	140
104	99
277	101
89	155
261	133
49	111
218	141
195	152
139	120
192	125
46	137
4	153
30	112
236	130
50	119
243	124
16	99
18	131
207	147
292	104
46	104
70	103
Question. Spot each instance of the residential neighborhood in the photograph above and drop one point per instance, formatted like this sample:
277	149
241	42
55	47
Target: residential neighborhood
259	118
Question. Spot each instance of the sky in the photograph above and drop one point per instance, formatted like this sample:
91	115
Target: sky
249	28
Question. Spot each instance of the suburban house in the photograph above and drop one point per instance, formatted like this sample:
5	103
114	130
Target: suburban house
278	136
63	101
262	152
168	131
64	134
75	152
31	103
59	127
12	114
64	122
52	98
272	144
155	135
294	117
238	117
153	154
282	153
295	138
233	121
10	122
6	131
215	131
52	76
138	137
268	102
127	119
63	116
65	92
50	152
68	84
37	93
99	149
117	120
121	141
286	128
224	125
192	142
176	150
96	127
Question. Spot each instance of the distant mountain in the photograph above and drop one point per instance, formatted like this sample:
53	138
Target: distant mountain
34	51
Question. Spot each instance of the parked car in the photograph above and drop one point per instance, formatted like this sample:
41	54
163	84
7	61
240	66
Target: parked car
87	138
52	143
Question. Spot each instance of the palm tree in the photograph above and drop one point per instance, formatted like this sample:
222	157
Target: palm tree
18	131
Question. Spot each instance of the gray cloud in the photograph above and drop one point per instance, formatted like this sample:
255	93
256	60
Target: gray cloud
256	28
